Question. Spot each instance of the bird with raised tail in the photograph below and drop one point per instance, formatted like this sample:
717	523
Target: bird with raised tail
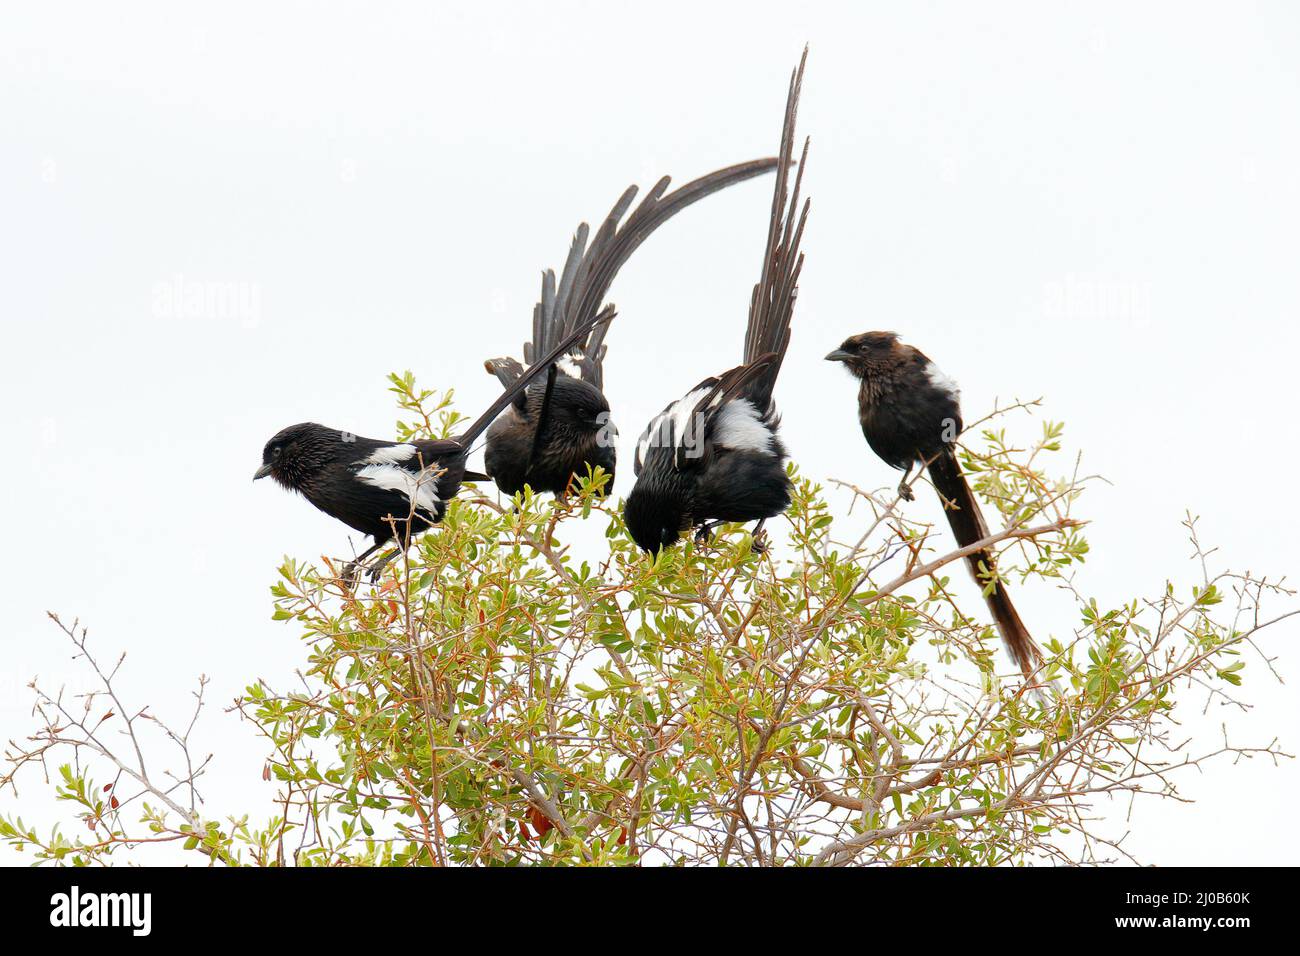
560	429
715	455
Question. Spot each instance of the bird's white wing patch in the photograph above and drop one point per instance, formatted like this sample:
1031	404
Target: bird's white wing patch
942	382
570	365
642	446
390	455
650	438
669	427
682	411
739	426
420	487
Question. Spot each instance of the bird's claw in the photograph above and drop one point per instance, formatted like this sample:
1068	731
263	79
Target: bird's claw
760	544
905	491
354	570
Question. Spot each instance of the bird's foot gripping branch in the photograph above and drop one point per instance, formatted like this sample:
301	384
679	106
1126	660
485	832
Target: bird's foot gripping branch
515	692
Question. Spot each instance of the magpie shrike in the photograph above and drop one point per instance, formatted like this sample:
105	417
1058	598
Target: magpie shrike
910	414
714	455
558	429
385	488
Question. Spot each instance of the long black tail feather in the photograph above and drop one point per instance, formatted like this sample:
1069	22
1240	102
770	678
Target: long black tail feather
589	270
772	305
967	523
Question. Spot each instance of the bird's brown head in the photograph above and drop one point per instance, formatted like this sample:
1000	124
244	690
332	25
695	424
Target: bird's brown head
860	352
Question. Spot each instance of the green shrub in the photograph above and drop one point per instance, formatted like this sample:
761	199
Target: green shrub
497	699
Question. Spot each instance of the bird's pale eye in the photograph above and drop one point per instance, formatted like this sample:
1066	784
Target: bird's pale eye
275	452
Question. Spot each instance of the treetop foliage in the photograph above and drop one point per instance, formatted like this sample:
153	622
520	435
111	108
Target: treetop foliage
501	697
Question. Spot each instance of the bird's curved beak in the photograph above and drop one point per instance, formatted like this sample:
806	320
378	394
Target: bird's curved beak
262	472
839	355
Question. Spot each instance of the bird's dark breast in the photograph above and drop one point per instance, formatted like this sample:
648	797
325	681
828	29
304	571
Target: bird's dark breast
563	454
565	457
905	425
740	486
357	505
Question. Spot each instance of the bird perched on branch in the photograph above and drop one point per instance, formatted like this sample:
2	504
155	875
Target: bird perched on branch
910	414
714	455
560	428
387	489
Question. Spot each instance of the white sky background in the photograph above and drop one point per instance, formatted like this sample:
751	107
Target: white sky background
388	182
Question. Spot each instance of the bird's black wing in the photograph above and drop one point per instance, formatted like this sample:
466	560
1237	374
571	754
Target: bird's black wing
772	304
684	435
590	269
717	419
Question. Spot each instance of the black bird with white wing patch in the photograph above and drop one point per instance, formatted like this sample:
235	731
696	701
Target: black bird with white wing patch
560	428
389	488
910	414
714	455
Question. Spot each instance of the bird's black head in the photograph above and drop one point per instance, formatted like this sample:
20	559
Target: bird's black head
298	452
859	352
653	520
576	406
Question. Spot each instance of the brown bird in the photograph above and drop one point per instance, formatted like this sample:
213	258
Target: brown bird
911	415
